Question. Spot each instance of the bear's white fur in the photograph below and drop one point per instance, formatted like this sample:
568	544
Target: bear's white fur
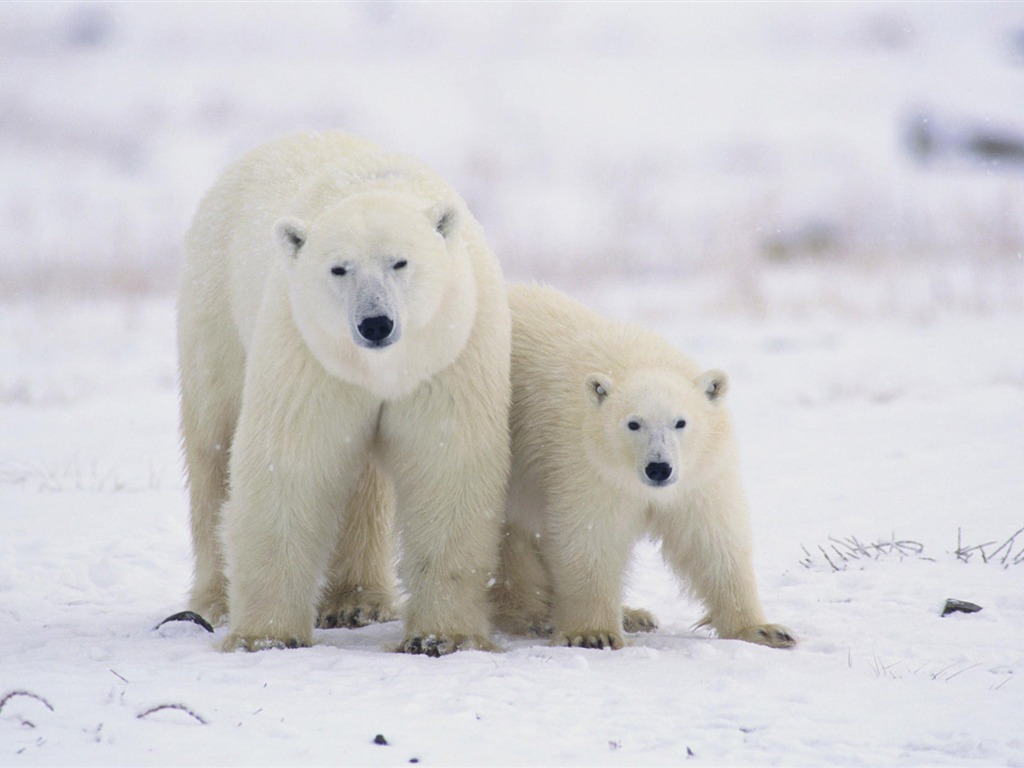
615	434
344	351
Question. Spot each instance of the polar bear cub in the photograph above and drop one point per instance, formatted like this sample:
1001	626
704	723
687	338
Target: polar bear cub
615	434
344	342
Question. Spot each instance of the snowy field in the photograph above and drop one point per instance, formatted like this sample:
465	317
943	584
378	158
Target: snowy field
826	201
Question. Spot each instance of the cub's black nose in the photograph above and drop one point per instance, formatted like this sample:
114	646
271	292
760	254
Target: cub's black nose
376	328
658	471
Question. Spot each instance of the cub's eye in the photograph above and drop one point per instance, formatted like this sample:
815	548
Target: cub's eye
338	271
681	423
634	425
401	264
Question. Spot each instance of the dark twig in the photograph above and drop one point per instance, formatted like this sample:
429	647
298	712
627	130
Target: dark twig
965	669
7	697
840	552
1009	546
180	707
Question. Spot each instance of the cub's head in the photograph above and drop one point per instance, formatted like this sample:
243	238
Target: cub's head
654	428
380	286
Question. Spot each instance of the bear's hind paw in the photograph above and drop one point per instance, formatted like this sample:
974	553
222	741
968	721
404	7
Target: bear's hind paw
356	616
353	607
442	645
590	639
772	635
638	620
211	606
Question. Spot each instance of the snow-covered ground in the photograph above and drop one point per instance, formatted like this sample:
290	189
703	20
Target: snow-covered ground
737	176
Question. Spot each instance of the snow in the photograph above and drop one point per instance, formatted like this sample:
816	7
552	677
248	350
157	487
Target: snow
663	163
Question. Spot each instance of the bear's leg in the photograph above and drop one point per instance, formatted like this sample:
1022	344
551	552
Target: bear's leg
302	444
586	546
708	544
360	579
522	593
448	454
278	528
211	387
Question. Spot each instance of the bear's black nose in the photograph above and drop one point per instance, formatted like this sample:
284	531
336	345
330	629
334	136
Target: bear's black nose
376	328
658	471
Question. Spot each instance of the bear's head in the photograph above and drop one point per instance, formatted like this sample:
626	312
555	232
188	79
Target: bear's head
654	428
381	287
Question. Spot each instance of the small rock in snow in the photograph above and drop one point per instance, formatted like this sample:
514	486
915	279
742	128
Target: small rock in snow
959	606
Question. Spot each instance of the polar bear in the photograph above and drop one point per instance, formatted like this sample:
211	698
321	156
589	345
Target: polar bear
615	434
344	346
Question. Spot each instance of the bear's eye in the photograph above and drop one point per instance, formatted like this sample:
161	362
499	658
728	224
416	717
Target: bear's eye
401	264
634	425
338	271
681	423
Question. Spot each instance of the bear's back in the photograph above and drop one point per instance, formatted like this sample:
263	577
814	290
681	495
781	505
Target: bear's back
556	337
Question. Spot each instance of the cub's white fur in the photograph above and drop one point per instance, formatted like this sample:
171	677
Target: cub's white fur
616	434
344	352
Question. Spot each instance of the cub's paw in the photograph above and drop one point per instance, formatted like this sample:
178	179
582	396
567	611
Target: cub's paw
638	620
772	635
590	638
442	645
236	642
352	610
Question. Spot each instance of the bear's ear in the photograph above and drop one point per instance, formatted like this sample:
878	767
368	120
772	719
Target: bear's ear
598	387
290	234
445	220
714	384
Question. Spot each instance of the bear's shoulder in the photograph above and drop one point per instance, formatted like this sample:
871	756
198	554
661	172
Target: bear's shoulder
549	322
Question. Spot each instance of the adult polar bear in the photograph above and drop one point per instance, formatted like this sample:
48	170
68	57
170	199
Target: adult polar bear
616	434
344	347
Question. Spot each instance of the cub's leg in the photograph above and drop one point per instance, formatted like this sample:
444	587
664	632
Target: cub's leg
707	541
586	546
360	586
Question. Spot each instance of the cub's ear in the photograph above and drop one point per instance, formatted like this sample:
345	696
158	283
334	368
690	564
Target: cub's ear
290	234
714	384
445	219
598	387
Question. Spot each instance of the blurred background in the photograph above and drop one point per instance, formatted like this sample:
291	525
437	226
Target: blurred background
867	156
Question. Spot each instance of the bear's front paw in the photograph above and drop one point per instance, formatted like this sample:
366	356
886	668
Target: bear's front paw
442	645
772	635
638	620
235	642
351	612
590	639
